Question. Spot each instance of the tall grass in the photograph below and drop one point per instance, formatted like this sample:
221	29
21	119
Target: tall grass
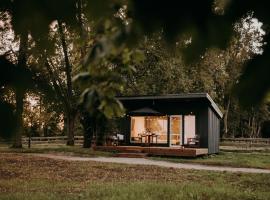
145	190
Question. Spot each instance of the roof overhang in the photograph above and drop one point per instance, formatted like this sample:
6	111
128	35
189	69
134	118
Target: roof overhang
206	96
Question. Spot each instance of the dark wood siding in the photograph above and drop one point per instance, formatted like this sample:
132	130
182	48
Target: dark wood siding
213	132
125	128
202	127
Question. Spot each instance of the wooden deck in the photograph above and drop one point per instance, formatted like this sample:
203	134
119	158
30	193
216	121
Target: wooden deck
158	151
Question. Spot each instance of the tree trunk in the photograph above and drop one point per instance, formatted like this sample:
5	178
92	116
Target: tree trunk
253	126
83	32
85	120
87	139
88	136
70	111
45	130
225	118
88	129
259	131
17	143
101	126
20	92
70	129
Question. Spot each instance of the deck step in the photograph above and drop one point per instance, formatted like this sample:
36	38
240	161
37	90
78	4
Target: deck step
131	150
131	155
158	151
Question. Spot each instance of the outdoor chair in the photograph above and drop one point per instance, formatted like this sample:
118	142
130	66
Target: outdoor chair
111	140
120	139
193	142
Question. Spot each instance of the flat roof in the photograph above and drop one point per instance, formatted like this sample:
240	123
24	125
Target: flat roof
177	96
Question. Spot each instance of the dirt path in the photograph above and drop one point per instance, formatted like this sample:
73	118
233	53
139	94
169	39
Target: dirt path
143	161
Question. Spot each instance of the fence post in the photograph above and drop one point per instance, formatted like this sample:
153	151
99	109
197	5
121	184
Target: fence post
29	141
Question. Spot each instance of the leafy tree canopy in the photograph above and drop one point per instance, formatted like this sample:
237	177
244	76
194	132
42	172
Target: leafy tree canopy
197	24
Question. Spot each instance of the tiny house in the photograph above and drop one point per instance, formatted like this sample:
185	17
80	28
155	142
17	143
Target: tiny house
175	120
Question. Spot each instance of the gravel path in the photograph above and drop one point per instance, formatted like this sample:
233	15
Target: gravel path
143	161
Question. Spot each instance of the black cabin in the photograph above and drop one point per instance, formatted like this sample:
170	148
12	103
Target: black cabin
174	120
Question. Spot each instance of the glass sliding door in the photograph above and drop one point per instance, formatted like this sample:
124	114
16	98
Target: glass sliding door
189	128
176	130
137	127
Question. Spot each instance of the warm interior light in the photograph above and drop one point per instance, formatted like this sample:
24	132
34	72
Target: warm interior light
149	125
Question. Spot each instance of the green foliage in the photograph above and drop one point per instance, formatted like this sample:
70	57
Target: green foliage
172	17
118	27
216	73
7	118
17	77
105	62
98	96
160	72
96	9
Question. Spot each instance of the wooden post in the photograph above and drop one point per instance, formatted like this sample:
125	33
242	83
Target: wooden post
168	131
29	141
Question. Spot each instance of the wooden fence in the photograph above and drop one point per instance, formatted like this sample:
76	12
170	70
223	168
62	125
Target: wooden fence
247	140
51	140
246	143
79	140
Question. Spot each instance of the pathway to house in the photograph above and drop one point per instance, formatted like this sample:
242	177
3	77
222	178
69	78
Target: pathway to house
143	161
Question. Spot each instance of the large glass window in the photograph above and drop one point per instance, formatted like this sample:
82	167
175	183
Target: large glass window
176	130
155	125
189	128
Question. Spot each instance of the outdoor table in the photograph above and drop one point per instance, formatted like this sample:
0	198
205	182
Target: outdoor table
149	138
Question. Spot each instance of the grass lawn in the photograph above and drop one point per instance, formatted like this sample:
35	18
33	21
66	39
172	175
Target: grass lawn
34	178
233	159
56	149
255	159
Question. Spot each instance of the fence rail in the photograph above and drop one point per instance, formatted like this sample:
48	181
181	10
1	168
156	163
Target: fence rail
246	140
79	140
54	139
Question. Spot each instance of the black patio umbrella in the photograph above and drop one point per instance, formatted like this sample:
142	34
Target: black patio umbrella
145	111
